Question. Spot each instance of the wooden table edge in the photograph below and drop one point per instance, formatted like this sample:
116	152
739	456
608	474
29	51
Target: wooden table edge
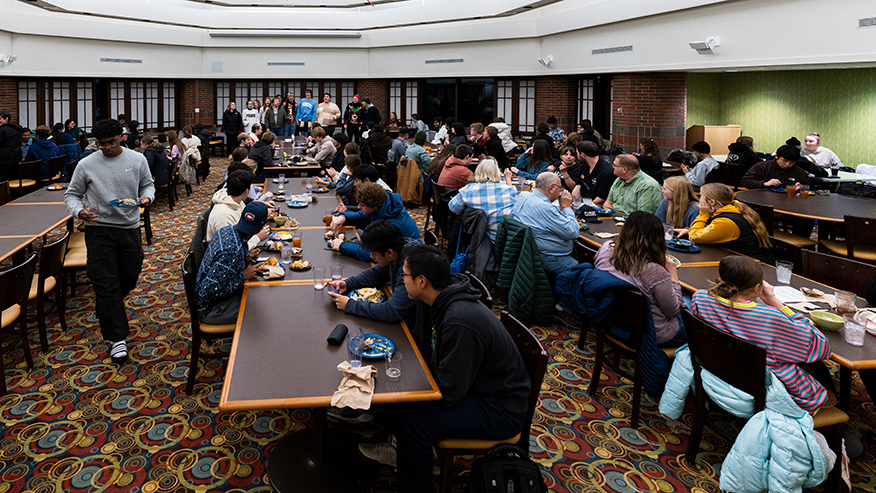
325	401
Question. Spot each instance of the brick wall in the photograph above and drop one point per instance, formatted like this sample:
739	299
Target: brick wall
649	105
377	90
197	94
9	96
557	96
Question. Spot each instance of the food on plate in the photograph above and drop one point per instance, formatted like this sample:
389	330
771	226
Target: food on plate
127	202
270	261
300	264
812	293
334	236
369	343
57	187
373	295
282	236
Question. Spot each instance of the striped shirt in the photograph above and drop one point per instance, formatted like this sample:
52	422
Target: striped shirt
789	338
496	199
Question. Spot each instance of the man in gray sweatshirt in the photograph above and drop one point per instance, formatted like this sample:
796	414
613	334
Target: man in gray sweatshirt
112	233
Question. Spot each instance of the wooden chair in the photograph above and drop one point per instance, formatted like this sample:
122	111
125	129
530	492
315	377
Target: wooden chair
69	168
742	364
435	207
789	252
486	297
728	174
15	284
50	277
146	223
75	260
768	217
535	358
584	252
626	314
860	243
839	272
5	193
200	331
28	176
57	165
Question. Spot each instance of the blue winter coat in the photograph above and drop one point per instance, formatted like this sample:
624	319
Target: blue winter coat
776	449
43	150
392	211
589	293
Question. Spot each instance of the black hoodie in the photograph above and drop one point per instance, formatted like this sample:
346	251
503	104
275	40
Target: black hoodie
743	156
10	144
472	353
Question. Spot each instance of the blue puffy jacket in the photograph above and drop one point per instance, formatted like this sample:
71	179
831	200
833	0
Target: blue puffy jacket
393	210
43	150
776	449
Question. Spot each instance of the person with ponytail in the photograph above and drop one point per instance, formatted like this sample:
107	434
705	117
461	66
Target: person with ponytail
795	348
727	222
679	205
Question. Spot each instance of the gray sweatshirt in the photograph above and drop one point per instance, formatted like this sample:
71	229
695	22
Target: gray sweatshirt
98	179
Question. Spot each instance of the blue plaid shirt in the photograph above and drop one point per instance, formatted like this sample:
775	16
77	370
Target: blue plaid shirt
496	199
557	134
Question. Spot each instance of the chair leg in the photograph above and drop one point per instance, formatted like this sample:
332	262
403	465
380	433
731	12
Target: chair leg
170	197
834	481
193	361
61	301
446	471
41	323
188	190
24	343
147	225
696	430
637	395
2	374
597	364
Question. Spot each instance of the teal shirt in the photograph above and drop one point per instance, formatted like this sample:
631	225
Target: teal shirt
641	193
420	156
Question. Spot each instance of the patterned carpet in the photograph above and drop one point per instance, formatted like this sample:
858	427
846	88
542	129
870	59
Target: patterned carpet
79	423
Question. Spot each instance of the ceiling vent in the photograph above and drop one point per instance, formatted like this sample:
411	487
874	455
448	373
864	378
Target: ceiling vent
120	60
285	64
616	49
868	22
446	60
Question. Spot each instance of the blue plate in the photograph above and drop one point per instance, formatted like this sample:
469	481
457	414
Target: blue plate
778	190
322	190
297	204
118	203
603	211
381	346
673	245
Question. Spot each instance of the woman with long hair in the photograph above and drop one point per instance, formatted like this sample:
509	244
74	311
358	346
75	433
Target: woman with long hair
393	121
175	147
232	125
638	256
649	155
567	165
457	135
534	161
437	163
189	140
725	221
679	206
59	136
794	347
265	106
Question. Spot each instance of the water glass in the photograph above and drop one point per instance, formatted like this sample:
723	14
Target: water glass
286	254
296	239
586	201
393	365
355	348
318	278
280	182
576	202
853	330
845	302
92	208
309	187
804	191
668	231
337	272
783	271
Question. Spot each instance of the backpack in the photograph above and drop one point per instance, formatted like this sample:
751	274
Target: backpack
505	469
460	262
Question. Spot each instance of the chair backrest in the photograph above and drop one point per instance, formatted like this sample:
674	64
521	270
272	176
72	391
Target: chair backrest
57	165
5	193
190	274
52	260
766	215
839	272
714	176
69	167
30	170
728	174
790	252
486	297
428	236
860	231
534	357
627	313
15	283
584	253
737	362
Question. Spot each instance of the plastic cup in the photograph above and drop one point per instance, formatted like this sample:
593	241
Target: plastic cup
804	191
286	253
791	190
354	349
853	330
668	231
280	182
309	188
296	239
784	269
845	302
328	214
319	278
337	272
834	172
393	365
304	181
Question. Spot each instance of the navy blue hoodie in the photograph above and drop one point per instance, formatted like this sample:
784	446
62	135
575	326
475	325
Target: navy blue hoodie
43	150
393	210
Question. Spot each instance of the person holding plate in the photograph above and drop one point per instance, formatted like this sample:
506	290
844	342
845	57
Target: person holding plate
112	234
386	243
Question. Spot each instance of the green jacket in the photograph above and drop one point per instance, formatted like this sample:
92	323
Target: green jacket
530	297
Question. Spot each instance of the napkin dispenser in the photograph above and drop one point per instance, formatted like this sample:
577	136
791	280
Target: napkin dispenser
338	335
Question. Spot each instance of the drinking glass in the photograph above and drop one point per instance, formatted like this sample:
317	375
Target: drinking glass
853	330
804	191
304	181
845	302
280	182
576	202
286	254
296	239
337	272
318	278
586	201
783	271
393	365
668	231
834	171
791	190
354	349
309	188
329	213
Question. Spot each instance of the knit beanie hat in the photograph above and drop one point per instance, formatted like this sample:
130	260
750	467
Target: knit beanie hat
702	146
420	138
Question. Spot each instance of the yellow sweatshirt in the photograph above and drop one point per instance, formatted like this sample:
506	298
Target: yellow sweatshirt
720	230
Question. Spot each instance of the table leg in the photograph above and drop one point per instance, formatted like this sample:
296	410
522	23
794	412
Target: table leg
301	462
845	388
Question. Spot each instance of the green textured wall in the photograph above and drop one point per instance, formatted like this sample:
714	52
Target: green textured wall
772	106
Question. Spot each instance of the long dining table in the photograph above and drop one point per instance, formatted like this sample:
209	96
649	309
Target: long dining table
30	217
830	208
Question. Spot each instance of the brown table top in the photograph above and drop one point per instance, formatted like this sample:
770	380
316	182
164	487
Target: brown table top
280	358
31	219
313	242
41	196
10	245
854	357
314	213
831	207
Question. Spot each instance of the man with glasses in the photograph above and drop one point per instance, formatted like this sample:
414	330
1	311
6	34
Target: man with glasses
553	227
635	190
112	233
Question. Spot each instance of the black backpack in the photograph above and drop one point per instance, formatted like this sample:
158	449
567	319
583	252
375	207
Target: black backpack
505	469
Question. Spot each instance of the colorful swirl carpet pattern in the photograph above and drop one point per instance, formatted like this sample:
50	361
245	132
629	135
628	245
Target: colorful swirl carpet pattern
79	423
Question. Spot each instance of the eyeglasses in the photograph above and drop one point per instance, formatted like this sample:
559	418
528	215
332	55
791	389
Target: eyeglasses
108	145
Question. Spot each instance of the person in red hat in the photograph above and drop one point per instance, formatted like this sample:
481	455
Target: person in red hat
354	115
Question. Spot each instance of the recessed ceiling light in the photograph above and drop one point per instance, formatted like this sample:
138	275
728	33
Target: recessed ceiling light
731	71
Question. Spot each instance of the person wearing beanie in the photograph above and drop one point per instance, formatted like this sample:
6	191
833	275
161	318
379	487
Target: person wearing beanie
354	116
372	114
226	265
418	154
705	165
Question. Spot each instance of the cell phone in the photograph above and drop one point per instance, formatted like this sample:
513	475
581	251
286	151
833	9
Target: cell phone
330	290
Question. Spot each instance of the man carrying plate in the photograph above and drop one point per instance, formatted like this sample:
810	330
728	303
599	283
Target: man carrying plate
112	234
385	242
